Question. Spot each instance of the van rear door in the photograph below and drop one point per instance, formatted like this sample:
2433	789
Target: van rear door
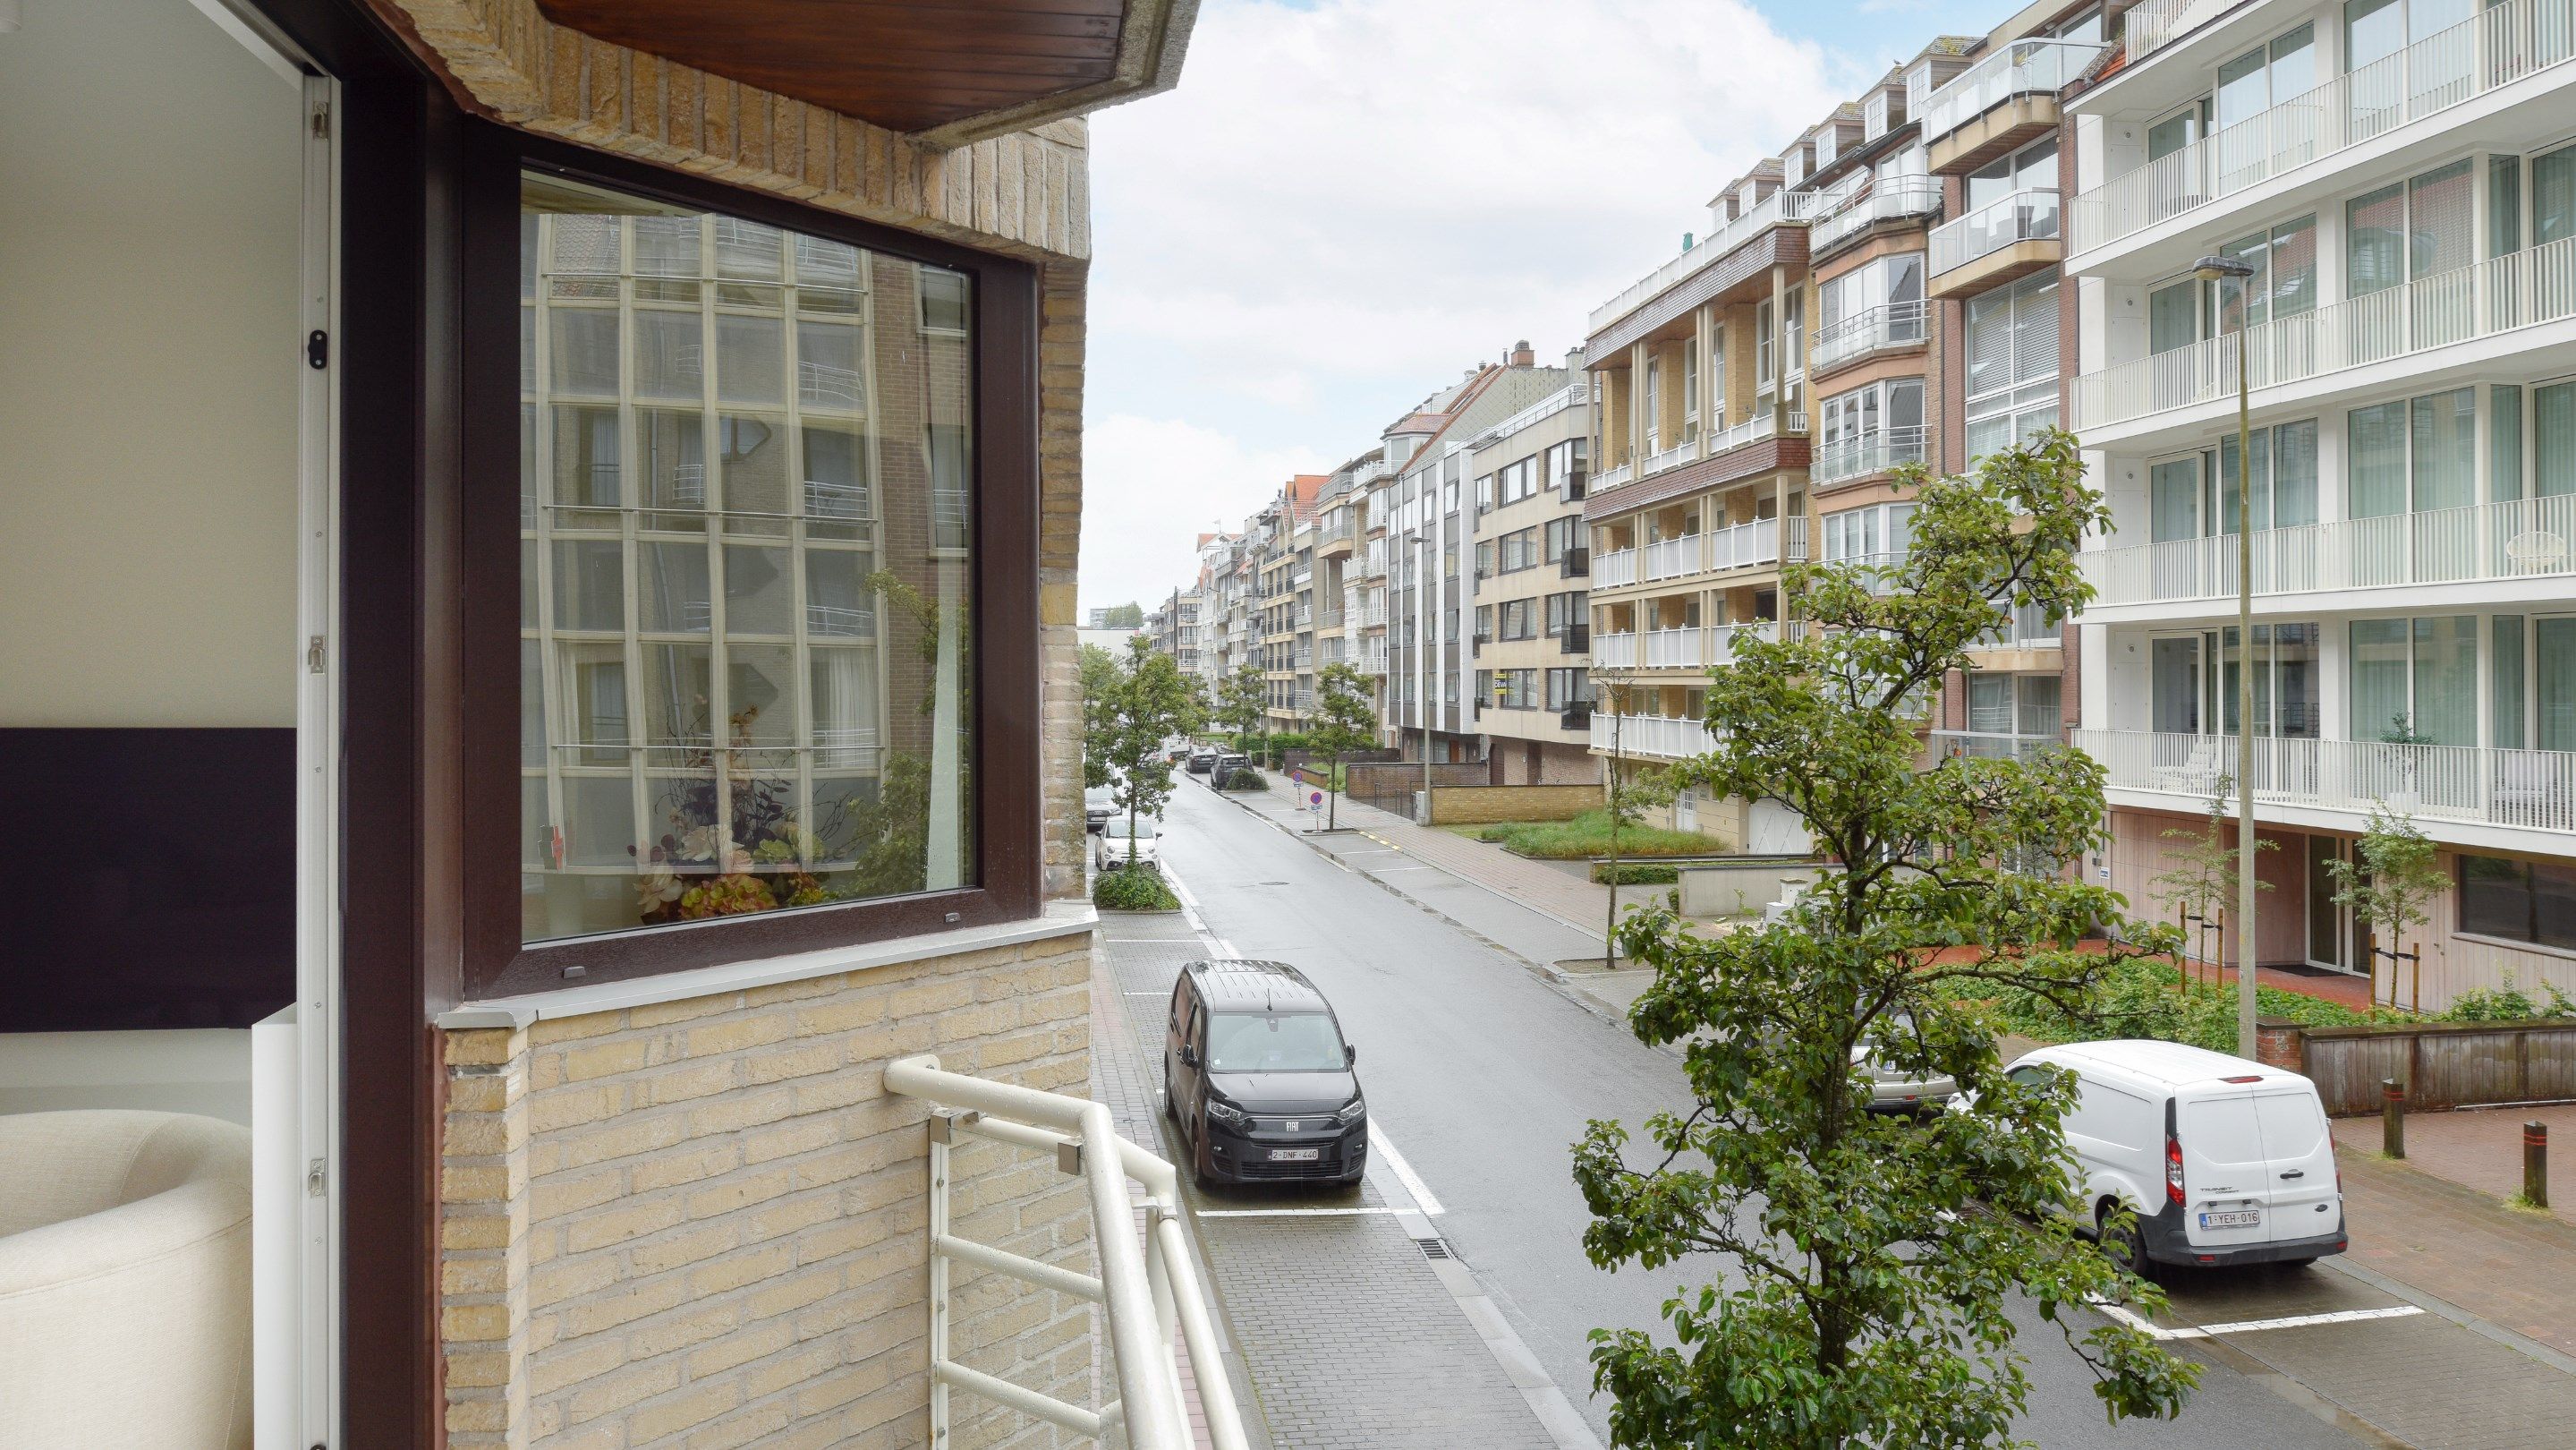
2300	1150
2227	1182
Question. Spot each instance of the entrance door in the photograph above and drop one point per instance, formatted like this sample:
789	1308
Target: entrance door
2335	939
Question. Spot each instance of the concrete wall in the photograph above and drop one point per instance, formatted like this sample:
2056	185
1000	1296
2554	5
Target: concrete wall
1742	890
708	1216
1475	804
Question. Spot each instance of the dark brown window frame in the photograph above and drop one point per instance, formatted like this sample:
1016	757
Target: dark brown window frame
1003	568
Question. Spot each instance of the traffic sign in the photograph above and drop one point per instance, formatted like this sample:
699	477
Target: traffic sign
1314	800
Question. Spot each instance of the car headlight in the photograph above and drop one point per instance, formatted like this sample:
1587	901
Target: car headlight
1352	1112
1232	1117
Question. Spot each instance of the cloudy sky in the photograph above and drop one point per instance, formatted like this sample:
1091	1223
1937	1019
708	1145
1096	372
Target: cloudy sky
1350	202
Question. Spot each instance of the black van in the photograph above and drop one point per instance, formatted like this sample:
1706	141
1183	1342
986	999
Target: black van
1258	1079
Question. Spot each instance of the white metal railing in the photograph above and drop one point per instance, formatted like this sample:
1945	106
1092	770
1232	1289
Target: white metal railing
2498	46
1614	651
1771	211
1659	735
1886	200
1722	639
1671	558
2016	68
2520	538
1612	477
1575	396
2518	289
2525	789
2024	216
837	501
1146	1291
1673	457
1370	472
1890	324
1869	453
1989	744
1741	546
1674	649
1613	569
2152	25
829	386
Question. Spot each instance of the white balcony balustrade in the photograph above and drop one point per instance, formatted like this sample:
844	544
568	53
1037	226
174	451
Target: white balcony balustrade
1615	568
2531	790
1613	477
2533	538
1673	457
1723	638
1869	453
1614	651
1888	199
1671	558
1893	324
2024	216
1989	745
2155	24
1771	211
1660	736
1743	546
2496	47
2483	299
2016	68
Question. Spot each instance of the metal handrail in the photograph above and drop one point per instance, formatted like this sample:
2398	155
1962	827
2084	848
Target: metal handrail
1145	1291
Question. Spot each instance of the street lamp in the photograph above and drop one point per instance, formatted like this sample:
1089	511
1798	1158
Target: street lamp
2219	269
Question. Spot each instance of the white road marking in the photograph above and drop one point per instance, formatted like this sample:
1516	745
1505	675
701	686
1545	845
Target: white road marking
1404	1174
1390	870
2249	1326
1292	1212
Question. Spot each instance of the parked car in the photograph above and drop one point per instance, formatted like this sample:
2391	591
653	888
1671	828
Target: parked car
1226	764
1202	761
1896	1090
1098	803
1117	848
1258	1079
2223	1161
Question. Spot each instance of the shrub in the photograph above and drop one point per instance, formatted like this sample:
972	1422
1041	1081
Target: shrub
2508	1003
1637	873
1588	835
2142	998
1244	777
1133	888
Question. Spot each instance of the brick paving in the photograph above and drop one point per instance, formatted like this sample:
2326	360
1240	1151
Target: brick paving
2435	1233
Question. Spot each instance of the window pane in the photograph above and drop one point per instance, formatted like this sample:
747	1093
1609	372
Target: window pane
2495	897
2446	679
2379	662
2378	460
746	684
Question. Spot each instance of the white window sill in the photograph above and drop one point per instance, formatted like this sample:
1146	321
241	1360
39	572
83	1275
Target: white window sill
1059	919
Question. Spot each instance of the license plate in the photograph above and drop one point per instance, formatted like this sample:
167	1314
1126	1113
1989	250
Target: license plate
2233	1218
1294	1155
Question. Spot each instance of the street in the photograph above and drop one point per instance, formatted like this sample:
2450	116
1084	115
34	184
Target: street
1480	1074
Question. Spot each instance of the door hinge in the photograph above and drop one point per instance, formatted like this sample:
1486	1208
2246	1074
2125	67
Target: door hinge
315	1179
321	120
313	655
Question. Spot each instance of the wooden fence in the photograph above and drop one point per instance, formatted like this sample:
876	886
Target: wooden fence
2442	1064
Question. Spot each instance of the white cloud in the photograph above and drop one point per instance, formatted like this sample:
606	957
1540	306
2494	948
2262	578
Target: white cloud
1343	205
1152	486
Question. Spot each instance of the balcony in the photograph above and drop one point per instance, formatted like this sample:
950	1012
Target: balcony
1867	454
1650	735
1996	243
2463	794
1575	396
1613	477
1990	745
2448	68
1897	198
2522	539
2002	101
1771	211
1574	563
1673	457
1687	647
1671	558
2153	25
1765	423
2485	299
1614	569
1743	546
1872	330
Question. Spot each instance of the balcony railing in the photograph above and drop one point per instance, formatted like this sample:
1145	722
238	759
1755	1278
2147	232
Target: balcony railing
2017	68
1655	735
2493	48
2518	289
1990	745
1671	558
1745	545
2521	538
2024	216
2518	789
1771	211
1892	324
1764	423
1673	457
2155	24
1575	396
1886	200
1148	1290
1615	568
1869	453
1613	477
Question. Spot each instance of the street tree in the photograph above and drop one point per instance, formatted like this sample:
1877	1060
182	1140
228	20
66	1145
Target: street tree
2201	881
1866	1266
1243	705
1130	615
1615	691
1344	722
2389	889
1099	673
1150	701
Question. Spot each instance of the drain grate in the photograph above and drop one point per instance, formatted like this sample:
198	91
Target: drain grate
1434	1248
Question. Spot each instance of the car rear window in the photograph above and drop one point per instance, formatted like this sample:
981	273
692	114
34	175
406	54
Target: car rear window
2292	1126
1273	1042
2222	1130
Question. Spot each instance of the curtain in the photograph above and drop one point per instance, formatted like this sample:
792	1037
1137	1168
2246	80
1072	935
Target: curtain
2175	486
2446	450
2175	684
2378	460
2504	678
2553	658
2378	670
2446	679
2553	196
2294	474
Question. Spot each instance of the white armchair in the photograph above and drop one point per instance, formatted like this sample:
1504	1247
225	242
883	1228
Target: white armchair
124	1282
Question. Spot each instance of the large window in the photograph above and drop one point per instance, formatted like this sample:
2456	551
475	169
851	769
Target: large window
2012	363
2524	901
2196	495
745	619
2415	454
2415	680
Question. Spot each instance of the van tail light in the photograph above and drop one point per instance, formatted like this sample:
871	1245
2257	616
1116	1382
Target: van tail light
2173	1168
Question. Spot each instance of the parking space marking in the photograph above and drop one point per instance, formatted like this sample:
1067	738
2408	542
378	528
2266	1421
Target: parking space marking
2249	1326
1295	1212
1423	1198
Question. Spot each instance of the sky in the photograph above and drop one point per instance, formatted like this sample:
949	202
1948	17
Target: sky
1348	203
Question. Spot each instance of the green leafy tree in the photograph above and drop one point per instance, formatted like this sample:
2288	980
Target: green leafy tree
1243	704
1344	722
2390	889
1099	674
1149	702
1869	1264
2202	880
1123	616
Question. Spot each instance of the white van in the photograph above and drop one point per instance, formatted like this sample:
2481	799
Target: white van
2224	1161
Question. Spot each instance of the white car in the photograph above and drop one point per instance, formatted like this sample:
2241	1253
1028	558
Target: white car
2222	1160
1099	802
1116	848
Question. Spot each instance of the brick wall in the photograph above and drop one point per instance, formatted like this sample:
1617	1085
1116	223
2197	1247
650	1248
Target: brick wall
702	1222
1470	805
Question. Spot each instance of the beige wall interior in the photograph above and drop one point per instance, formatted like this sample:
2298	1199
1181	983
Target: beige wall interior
148	369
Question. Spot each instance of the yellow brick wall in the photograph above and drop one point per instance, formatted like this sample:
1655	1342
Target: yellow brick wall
702	1223
1475	804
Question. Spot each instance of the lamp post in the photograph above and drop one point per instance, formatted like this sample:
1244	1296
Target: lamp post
2221	269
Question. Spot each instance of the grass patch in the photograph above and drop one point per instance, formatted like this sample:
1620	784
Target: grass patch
1133	888
1636	873
1588	835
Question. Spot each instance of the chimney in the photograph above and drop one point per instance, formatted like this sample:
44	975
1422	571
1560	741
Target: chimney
1522	356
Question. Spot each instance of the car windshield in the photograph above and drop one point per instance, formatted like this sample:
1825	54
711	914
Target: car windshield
1118	826
1274	1042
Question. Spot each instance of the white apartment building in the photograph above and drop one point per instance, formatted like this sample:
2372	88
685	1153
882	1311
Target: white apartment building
2401	177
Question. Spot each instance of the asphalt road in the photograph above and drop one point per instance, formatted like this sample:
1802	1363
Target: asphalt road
1482	1075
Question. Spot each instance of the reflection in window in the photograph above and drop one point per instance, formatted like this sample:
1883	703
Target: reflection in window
745	603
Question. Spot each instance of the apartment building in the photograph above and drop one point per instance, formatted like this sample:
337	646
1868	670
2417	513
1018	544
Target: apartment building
1532	636
2396	180
1174	627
